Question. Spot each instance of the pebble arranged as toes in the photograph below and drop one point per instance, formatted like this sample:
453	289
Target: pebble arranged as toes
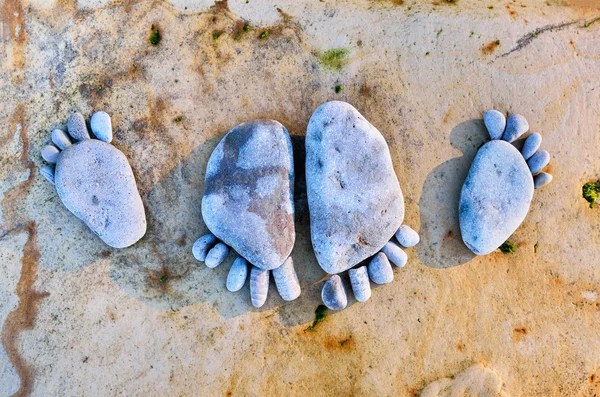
538	161
60	139
237	274
495	122
516	125
202	246
380	270
541	179
216	255
48	173
101	126
286	280
76	127
531	145
334	293
359	278
407	237
50	154
259	286
395	254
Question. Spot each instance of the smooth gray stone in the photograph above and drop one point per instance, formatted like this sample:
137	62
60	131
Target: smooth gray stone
286	280
48	173
60	139
259	286
541	179
102	126
495	197
516	125
334	293
531	145
495	122
359	279
95	182
407	237
77	128
237	274
538	161
216	255
202	246
380	270
248	192
50	154
395	254
354	197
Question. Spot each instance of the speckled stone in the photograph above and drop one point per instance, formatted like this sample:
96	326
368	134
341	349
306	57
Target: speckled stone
495	122
77	128
516	125
95	182
541	180
361	287
202	246
380	270
407	237
286	281
334	293
354	197
531	145
495	197
248	192
538	161
102	126
237	274
216	255
60	139
50	154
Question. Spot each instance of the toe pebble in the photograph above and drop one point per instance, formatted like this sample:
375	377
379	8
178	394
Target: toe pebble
334	293
50	154
407	237
359	278
48	173
531	145
380	270
216	255
286	280
495	122
538	161
77	128
202	246
516	125
237	274
60	139
259	286
395	254
101	126
541	179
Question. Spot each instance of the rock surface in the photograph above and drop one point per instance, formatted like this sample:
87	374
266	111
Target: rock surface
354	197
95	182
495	123
249	190
495	197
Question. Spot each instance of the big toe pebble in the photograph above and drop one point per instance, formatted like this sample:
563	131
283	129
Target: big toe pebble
407	237
77	128
101	126
516	125
495	122
334	293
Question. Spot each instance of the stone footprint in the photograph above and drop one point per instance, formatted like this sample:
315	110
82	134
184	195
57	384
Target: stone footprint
498	190
94	180
355	203
248	205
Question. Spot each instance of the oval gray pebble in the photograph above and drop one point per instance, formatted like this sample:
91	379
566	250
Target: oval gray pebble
259	286
531	145
541	179
359	279
77	128
60	139
50	154
334	293
495	122
216	255
237	274
380	270
538	161
407	237
102	126
286	280
395	254
202	245
516	125
48	173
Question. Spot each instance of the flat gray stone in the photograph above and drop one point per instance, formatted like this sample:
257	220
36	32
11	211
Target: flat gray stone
95	182
531	145
495	197
495	122
516	125
77	128
248	193
101	126
333	293
354	197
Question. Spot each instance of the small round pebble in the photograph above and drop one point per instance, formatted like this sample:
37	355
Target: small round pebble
202	245
48	173
77	128
531	145
102	126
407	237
334	293
380	270
60	139
516	125
541	179
538	161
395	254
237	274
50	154
495	122
216	255
359	278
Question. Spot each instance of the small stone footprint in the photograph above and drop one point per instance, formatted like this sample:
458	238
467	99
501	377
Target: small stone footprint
496	195
94	180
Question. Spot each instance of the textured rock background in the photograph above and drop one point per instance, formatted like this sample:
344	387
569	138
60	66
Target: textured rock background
78	318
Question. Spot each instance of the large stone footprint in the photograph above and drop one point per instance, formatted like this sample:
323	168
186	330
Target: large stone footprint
355	202
94	180
248	204
496	195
